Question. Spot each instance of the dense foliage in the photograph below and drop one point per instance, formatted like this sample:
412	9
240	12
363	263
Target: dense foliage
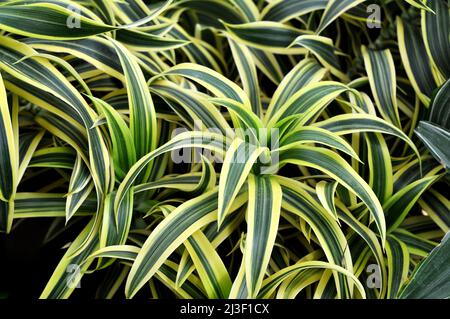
230	148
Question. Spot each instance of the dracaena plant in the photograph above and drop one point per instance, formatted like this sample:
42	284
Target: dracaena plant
230	149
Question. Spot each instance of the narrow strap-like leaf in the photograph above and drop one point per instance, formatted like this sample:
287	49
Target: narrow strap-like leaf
305	72
437	207
430	278
49	21
440	112
80	187
333	165
382	77
9	160
436	139
123	149
209	265
418	69
398	206
70	269
299	202
263	215
213	142
116	224
398	265
196	106
435	31
323	48
142	111
271	283
247	73
266	35
353	123
211	80
326	193
308	101
237	165
180	224
285	10
39	73
333	10
310	134
248	9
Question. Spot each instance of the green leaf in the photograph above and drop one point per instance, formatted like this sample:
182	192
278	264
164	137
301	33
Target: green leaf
39	73
247	72
209	265
355	123
333	10
96	50
418	69
440	112
211	80
33	205
180	224
145	41
9	160
399	205
271	283
237	165
211	141
333	165
430	279
142	111
49	21
437	140
285	10
123	149
382	78
70	269
308	101
398	265
330	236
380	165
247	8
326	192
310	134
266	35
53	157
435	32
437	207
263	216
80	187
198	109
323	48
305	72
214	10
